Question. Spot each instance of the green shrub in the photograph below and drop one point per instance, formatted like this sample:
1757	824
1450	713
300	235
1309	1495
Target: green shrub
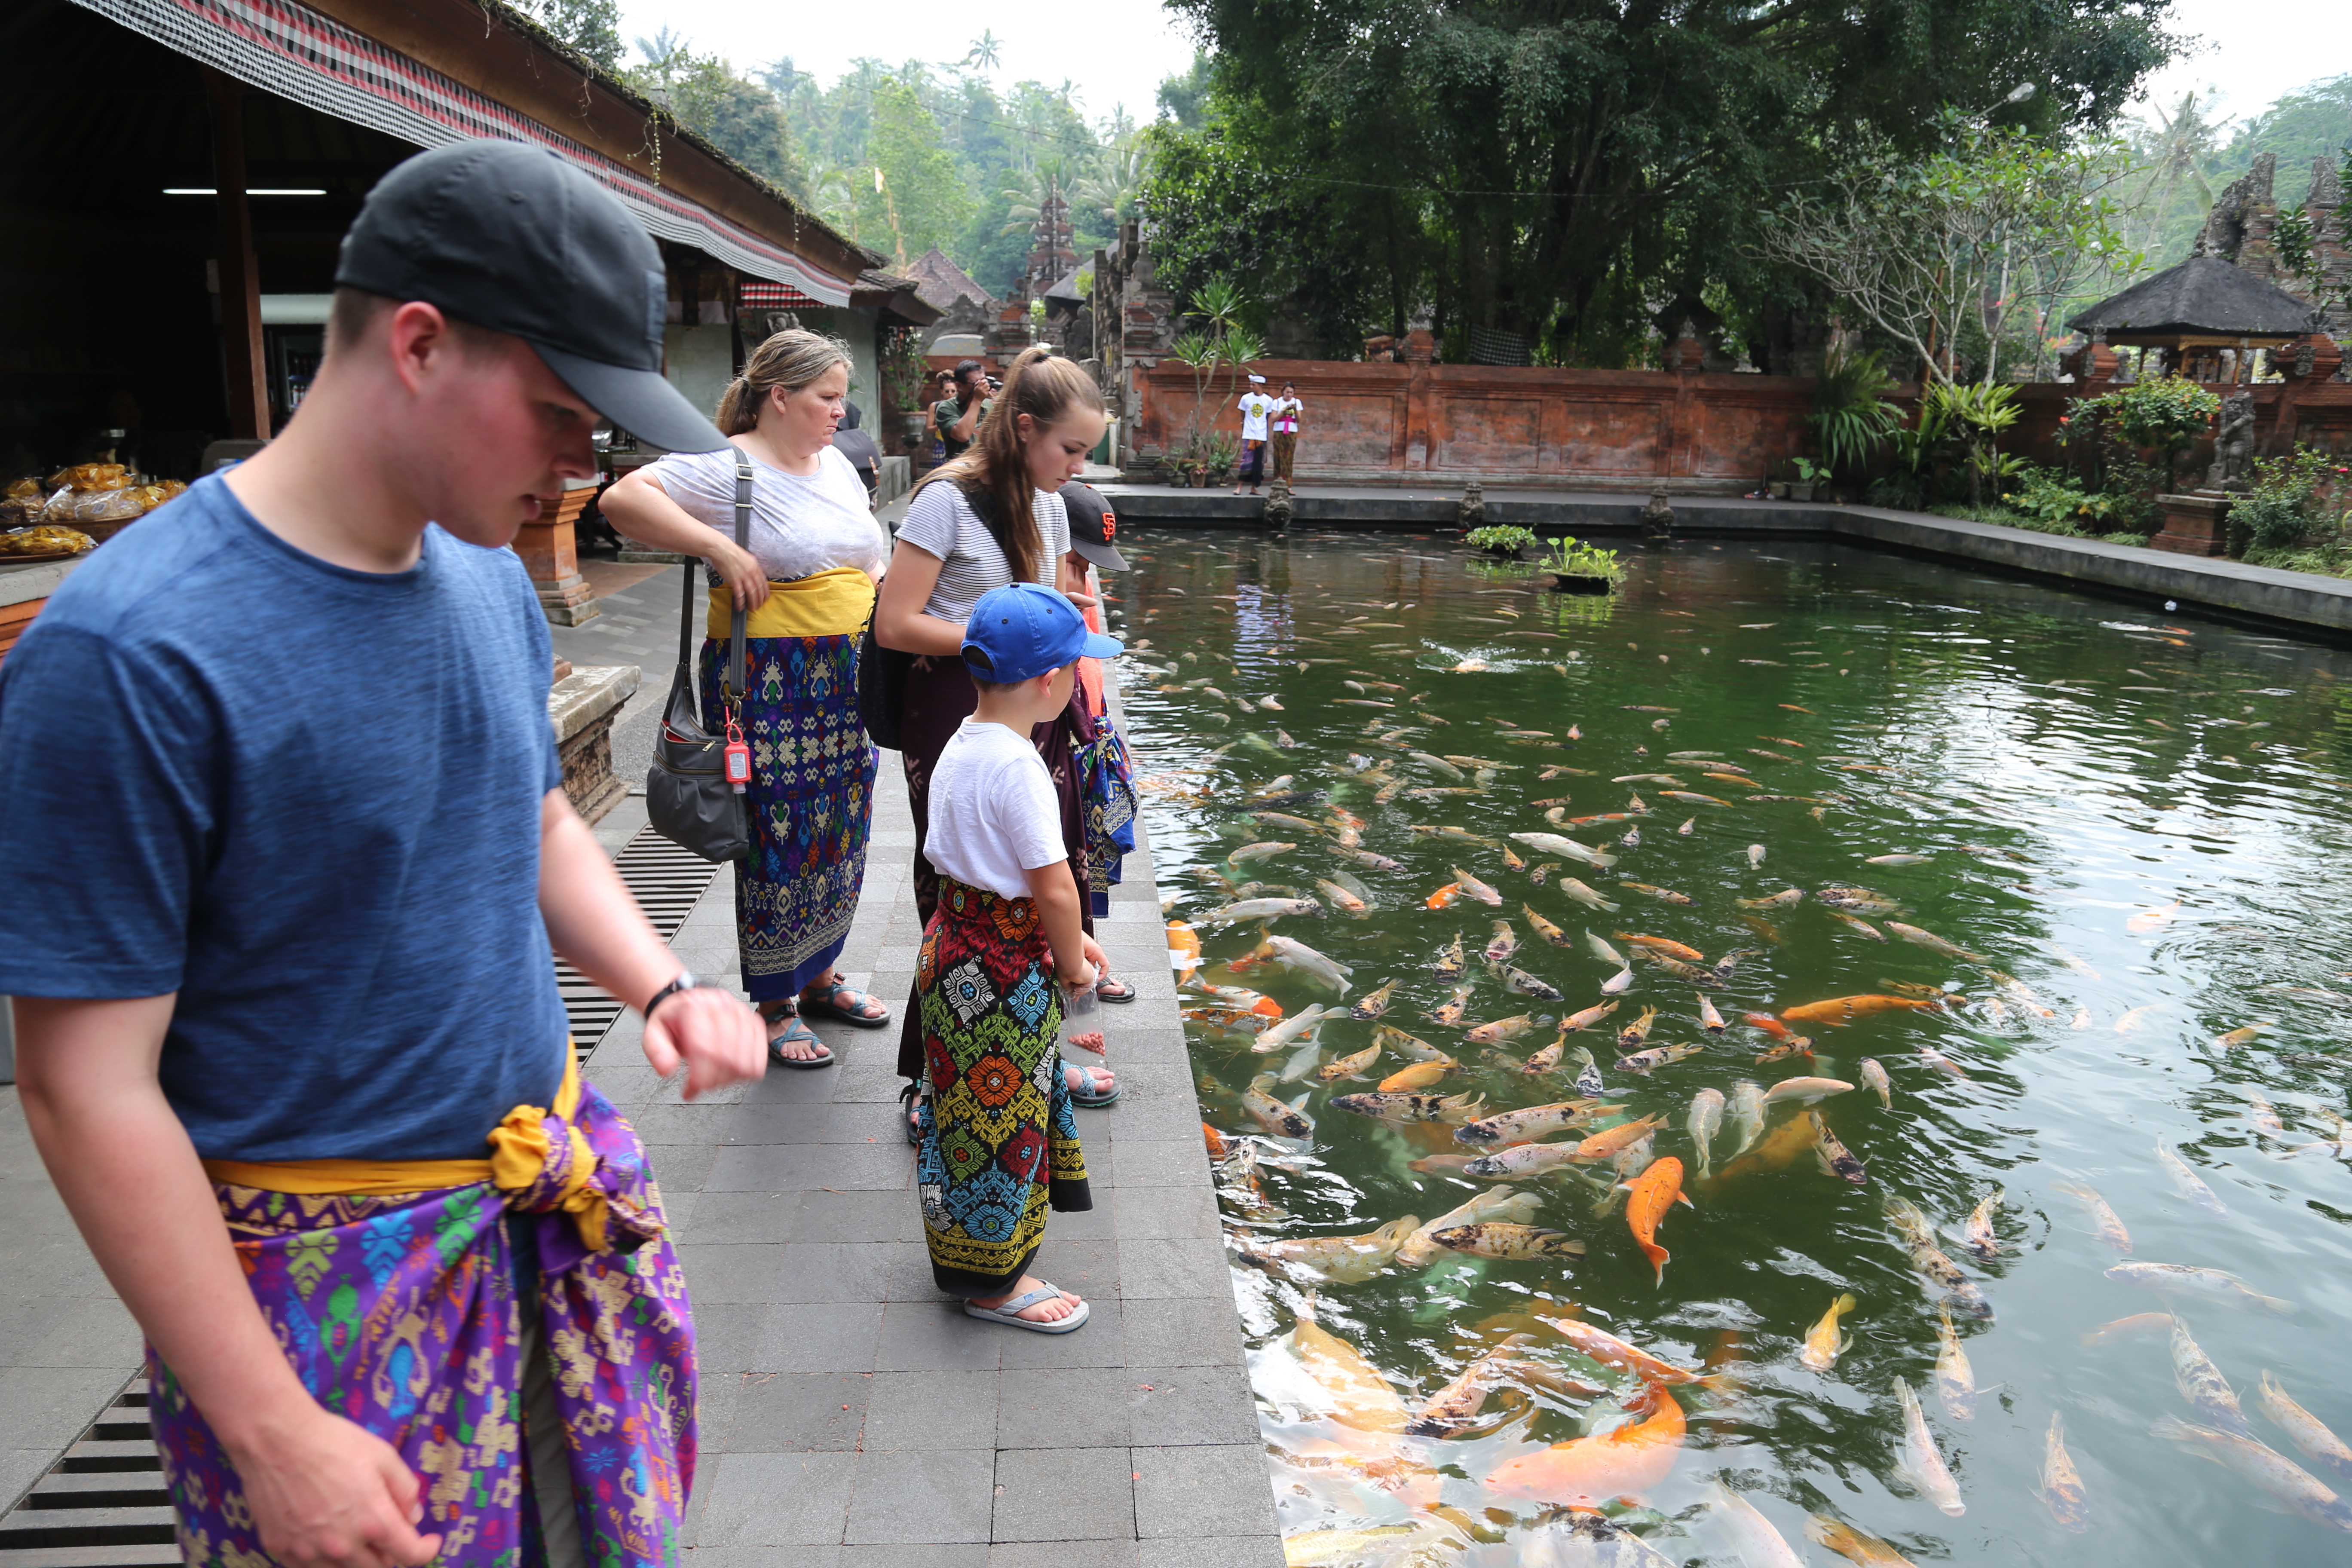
2293	498
1851	418
1571	559
1504	540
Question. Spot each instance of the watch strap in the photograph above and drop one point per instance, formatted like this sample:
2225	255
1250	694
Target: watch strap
686	981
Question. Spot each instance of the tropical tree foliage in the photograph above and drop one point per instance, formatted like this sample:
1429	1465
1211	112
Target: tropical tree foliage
956	154
1579	172
1947	254
705	94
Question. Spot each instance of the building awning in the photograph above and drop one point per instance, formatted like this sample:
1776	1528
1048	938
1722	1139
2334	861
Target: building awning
289	50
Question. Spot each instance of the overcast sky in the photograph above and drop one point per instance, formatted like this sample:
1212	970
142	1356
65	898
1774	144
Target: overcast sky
1117	52
2256	51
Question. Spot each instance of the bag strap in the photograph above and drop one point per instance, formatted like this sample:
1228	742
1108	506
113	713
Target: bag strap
734	689
686	624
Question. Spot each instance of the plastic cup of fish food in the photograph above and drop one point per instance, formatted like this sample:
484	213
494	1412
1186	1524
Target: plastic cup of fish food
1082	1019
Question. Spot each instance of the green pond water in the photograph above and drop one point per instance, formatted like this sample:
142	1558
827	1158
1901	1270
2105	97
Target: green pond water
2137	821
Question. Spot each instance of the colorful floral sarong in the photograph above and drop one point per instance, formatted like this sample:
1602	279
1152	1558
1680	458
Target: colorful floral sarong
397	1307
1000	1143
812	793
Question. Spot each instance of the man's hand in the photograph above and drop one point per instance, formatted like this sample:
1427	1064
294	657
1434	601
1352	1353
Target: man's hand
326	1493
715	1033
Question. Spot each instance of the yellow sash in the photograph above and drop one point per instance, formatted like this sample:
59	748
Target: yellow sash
519	1150
833	603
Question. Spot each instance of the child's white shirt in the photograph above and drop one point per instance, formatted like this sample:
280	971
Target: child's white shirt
994	813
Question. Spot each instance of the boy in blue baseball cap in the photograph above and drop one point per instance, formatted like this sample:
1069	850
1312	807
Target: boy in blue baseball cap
999	1144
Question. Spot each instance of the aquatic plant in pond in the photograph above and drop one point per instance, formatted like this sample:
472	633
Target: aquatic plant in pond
1936	938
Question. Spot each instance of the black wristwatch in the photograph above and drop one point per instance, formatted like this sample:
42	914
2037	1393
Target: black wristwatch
686	981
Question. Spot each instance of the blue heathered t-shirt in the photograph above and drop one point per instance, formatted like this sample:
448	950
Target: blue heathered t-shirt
305	799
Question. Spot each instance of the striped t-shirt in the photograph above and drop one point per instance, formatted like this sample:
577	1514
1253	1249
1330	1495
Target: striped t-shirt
941	522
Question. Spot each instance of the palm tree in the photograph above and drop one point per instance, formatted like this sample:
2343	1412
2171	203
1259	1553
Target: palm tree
2180	142
984	55
1111	185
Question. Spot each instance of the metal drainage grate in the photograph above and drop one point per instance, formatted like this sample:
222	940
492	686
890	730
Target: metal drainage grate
666	881
104	1505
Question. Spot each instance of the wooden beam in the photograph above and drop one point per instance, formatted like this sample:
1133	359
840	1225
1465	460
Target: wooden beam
240	277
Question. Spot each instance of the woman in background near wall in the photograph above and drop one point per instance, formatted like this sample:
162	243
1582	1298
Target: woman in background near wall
985	519
1284	440
807	583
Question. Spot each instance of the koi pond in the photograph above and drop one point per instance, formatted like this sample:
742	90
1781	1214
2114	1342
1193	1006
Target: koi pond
1977	1190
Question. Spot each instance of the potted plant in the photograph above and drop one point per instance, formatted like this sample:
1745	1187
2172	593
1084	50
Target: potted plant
1501	541
1810	474
1578	568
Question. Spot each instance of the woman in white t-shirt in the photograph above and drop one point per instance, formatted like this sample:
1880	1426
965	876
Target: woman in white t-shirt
807	586
988	517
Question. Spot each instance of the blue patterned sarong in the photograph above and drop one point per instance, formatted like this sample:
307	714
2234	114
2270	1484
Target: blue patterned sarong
811	804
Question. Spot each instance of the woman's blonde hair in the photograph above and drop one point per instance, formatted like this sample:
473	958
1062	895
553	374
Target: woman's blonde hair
1048	389
792	359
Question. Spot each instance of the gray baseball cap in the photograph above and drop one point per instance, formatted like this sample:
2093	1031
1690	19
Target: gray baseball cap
513	238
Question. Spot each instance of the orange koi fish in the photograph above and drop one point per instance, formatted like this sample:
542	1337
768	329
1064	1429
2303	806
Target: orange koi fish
1654	1191
1769	1023
1584	1474
1183	951
1661	944
1846	1009
1610	1140
1609	1350
1442	897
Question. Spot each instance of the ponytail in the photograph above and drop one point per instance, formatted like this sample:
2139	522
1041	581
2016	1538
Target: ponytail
791	359
1048	389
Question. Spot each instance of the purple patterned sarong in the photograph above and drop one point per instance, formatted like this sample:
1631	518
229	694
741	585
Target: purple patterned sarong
398	1311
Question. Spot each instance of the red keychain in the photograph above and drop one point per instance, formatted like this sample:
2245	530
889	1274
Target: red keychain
738	756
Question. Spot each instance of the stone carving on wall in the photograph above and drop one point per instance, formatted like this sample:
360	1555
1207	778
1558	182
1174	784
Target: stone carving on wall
2233	445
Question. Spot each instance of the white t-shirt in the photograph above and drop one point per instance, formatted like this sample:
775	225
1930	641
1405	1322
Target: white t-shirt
1286	415
800	523
1255	408
993	814
941	522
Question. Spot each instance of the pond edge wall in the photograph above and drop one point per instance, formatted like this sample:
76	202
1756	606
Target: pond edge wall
2232	590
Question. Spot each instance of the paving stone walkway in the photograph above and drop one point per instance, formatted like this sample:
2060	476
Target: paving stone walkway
851	1415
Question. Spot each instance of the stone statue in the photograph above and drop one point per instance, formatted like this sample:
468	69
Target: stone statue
2233	445
1471	510
1277	505
1658	517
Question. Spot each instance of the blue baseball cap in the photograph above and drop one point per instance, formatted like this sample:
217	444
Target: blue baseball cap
1026	630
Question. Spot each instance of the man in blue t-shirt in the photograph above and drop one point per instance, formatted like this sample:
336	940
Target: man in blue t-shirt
288	845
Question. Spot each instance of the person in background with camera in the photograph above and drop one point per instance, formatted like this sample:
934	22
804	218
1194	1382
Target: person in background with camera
957	417
990	518
807	583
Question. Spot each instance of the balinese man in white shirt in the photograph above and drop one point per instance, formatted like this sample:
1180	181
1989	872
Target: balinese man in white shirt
1256	406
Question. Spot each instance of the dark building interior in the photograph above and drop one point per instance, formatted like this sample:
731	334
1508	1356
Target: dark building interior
113	285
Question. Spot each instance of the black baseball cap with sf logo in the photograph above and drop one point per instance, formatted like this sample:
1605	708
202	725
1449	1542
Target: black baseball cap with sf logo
512	238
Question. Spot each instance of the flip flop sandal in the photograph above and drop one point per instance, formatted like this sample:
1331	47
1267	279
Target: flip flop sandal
1008	1313
1087	1097
910	1112
794	1031
1105	991
829	1005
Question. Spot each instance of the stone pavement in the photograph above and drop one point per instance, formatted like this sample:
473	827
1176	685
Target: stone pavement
851	1415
